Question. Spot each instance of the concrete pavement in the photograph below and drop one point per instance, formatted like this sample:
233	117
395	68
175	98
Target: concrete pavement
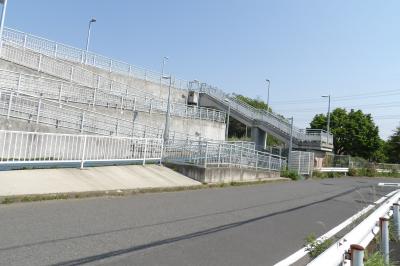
64	180
249	225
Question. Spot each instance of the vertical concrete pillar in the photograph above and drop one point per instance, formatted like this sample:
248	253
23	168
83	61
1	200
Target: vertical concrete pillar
258	136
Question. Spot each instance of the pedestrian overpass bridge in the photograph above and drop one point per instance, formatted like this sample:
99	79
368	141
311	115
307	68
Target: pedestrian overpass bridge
262	122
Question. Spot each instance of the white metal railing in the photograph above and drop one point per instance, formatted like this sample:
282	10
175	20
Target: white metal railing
278	122
48	50
217	154
361	235
41	111
20	147
95	89
73	54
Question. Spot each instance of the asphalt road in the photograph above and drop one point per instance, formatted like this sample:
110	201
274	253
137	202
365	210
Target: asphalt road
248	225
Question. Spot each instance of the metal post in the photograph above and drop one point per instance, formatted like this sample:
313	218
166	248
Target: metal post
40	62
219	153
55	50
38	110
256	160
59	95
396	218
230	156
269	162
19	83
145	151
83	151
290	141
384	232
205	156
88	38
357	255
165	58
227	121
167	118
9	105
82	121
3	16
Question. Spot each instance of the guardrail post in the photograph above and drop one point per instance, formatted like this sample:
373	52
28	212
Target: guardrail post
396	218
145	151
357	255
38	110
384	232
83	151
9	105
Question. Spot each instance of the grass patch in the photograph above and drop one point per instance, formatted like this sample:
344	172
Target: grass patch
316	247
121	193
376	259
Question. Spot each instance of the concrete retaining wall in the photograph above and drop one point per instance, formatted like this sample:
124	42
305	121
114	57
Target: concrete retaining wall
222	174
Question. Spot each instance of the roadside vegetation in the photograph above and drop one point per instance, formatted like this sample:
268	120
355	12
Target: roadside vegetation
316	247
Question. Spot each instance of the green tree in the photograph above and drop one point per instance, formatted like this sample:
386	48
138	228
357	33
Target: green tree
355	133
393	147
238	131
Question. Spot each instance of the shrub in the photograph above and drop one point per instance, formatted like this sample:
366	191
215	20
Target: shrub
353	172
290	174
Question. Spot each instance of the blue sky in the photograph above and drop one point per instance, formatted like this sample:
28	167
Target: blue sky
307	48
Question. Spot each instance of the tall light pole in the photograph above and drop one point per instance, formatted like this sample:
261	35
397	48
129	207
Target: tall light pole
165	59
3	16
167	116
227	120
328	126
88	38
269	83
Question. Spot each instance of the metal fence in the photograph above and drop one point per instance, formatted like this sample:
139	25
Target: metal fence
217	154
73	54
347	161
96	90
302	162
19	147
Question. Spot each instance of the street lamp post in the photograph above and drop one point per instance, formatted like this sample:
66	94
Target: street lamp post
167	116
290	142
227	120
88	38
3	16
329	112
269	83
165	58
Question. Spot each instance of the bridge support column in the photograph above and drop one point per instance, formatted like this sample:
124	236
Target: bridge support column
258	136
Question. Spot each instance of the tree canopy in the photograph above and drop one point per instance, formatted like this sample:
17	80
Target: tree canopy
355	133
393	147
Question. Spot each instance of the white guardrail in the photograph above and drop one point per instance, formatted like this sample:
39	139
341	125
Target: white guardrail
361	235
18	147
95	89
